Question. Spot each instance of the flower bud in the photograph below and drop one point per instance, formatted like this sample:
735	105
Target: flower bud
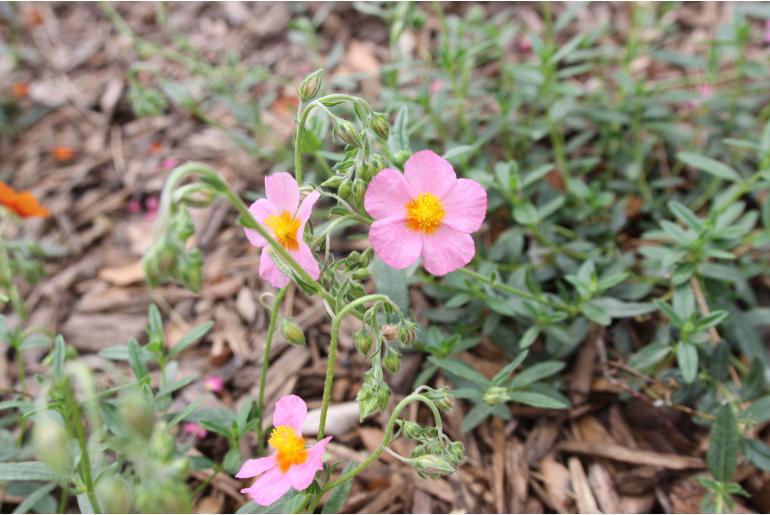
406	333
162	444
433	467
359	190
113	494
379	125
346	188
183	225
383	396
392	360
495	395
363	341
51	444
345	132
292	332
400	158
361	274
309	87
137	412
441	398
389	332
334	182
191	270
411	430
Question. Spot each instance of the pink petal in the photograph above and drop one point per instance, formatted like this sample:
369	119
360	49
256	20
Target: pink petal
387	195
394	243
291	411
306	208
428	172
260	210
251	468
302	475
306	260
282	190
446	250
465	206
269	272
269	487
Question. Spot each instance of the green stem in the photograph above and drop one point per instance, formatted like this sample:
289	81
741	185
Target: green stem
266	363
333	350
298	141
80	433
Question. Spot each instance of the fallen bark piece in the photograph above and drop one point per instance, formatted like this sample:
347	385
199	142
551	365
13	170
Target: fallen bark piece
626	455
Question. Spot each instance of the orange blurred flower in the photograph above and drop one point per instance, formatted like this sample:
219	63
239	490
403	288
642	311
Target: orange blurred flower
32	17
63	153
23	203
156	147
20	89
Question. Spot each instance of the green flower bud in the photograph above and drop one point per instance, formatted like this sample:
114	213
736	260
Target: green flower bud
495	395
359	190
433	467
345	132
411	430
441	398
182	224
401	157
333	182
309	87
392	360
406	333
361	274
137	412
51	444
113	494
292	332
346	188
162	444
383	396
191	270
363	341
379	125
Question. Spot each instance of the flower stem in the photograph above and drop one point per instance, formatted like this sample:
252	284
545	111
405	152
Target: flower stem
515	291
73	411
266	363
333	351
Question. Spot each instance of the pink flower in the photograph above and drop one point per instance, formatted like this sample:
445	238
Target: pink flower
284	217
213	384
134	206
168	163
426	211
194	429
292	465
705	90
435	86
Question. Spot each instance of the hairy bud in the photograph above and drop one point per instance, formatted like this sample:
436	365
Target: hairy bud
392	360
363	341
113	494
389	332
292	332
136	411
379	125
310	87
345	132
51	444
495	395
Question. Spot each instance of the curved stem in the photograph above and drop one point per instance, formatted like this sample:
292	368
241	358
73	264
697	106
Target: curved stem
515	291
333	351
80	433
266	363
383	444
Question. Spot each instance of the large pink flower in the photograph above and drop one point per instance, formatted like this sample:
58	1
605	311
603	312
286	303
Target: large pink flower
293	465
426	211
284	217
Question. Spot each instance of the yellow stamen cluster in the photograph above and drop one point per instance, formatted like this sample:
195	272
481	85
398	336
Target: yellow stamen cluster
289	447
284	228
424	213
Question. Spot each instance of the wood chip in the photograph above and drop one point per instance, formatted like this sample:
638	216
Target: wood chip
626	455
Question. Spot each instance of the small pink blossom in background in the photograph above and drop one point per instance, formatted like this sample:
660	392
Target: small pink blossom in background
151	207
195	430
134	206
168	163
525	45
292	465
425	212
435	86
705	91
213	384
282	215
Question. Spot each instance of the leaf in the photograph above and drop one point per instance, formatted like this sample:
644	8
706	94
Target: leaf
619	309
537	400
476	416
84	504
724	439
758	453
339	494
460	369
649	356
57	362
459	152
759	411
535	373
391	282
594	311
509	368
398	139
30	500
529	337
27	471
708	165
687	359
138	364
196	333
289	503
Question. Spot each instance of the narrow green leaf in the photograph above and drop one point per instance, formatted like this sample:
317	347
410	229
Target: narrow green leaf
27	471
391	282
687	359
196	333
537	400
340	494
724	439
708	165
460	369
30	500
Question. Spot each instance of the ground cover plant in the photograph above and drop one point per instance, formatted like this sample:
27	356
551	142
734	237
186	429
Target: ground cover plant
397	257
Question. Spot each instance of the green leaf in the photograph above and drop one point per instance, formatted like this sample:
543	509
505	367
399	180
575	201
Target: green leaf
535	373
649	356
391	282
27	471
138	364
687	359
476	416
289	503
84	503
57	363
594	311
460	369
509	368
30	500
759	411
708	165
339	494
455	154
724	439
196	333
529	337
537	400
684	214
619	309
758	453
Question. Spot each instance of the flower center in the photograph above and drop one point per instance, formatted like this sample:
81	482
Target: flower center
284	228
289	447
424	213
